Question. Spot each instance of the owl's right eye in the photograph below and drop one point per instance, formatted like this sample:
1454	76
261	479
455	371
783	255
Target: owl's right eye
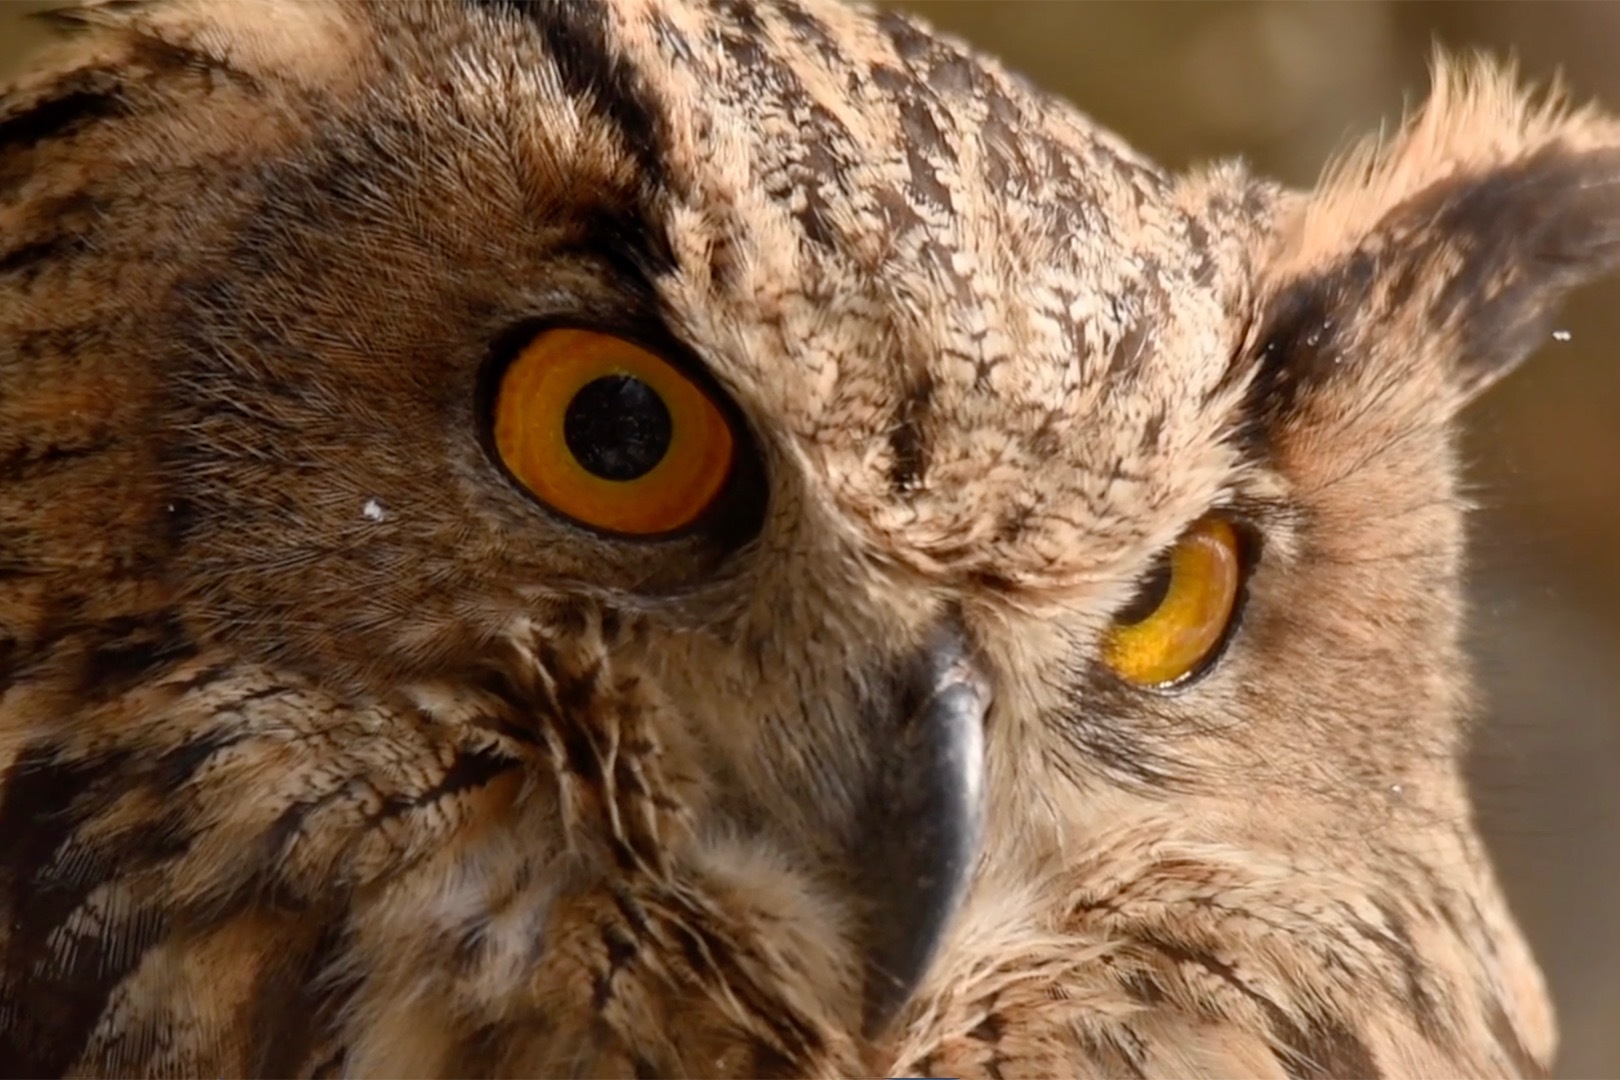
611	434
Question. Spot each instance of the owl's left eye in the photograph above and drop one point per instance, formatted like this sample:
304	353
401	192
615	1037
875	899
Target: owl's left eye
1183	617
611	434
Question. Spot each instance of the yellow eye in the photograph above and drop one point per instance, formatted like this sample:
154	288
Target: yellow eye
1188	619
610	434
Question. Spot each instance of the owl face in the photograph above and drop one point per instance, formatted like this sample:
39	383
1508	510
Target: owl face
662	538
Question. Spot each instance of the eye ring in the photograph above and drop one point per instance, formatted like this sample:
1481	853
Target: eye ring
1175	631
609	433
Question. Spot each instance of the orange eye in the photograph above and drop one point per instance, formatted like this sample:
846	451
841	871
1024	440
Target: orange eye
610	434
1188	619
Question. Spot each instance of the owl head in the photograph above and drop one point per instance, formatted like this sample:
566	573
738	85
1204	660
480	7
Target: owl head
679	538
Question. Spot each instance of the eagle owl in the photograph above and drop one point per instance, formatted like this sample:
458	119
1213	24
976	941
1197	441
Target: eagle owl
669	538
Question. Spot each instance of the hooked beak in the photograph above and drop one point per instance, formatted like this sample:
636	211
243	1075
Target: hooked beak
920	838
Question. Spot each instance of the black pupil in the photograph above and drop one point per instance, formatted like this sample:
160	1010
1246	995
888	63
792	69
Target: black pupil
1150	595
617	427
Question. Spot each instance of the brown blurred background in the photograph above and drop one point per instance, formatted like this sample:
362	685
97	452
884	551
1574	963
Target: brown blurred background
1284	85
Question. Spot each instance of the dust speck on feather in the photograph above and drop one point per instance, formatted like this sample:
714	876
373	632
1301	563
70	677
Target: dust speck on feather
373	511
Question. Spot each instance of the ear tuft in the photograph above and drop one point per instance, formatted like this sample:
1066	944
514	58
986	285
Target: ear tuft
1469	225
1477	119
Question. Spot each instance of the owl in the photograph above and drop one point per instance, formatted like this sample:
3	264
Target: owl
660	538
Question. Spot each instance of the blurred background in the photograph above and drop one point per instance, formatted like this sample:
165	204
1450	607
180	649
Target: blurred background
1284	85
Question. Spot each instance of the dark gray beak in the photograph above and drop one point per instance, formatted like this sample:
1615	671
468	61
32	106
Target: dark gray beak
919	840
